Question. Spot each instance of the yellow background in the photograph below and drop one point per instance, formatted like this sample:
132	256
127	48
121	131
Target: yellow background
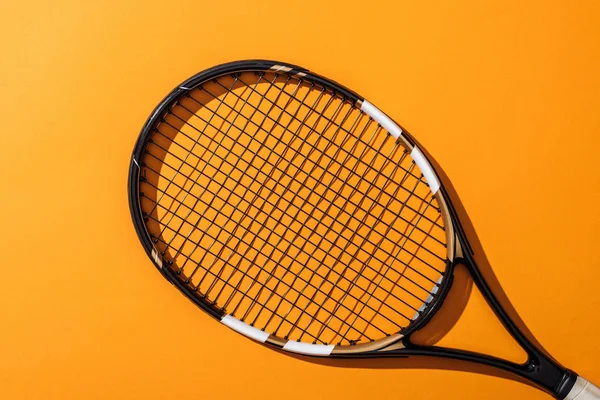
505	95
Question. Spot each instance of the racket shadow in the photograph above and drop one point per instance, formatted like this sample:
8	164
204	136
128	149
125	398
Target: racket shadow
480	257
414	362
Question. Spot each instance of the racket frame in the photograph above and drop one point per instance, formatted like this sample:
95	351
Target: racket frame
540	369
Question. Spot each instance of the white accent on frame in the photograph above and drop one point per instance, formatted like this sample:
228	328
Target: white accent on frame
135	161
156	257
583	390
244	328
426	169
429	298
421	308
381	119
281	68
307	348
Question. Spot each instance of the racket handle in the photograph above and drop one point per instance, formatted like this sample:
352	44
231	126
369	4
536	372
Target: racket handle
583	390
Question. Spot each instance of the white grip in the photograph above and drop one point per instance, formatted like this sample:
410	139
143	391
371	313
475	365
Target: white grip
583	390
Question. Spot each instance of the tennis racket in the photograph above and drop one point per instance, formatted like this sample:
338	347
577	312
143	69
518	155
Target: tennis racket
298	214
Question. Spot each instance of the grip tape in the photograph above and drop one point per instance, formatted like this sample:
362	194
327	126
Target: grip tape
583	390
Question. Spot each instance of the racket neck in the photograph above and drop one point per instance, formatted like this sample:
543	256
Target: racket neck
540	368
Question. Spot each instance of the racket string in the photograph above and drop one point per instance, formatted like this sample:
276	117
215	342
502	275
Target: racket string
363	210
388	265
401	187
328	228
264	284
349	241
224	135
294	217
184	255
367	291
248	259
254	256
245	274
292	244
246	190
178	170
347	131
329	121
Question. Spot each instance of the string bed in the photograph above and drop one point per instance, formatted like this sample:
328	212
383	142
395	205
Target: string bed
283	204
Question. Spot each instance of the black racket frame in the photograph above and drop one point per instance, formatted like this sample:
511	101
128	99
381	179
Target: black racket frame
540	368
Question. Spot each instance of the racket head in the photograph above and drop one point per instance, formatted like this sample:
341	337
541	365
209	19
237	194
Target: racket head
246	157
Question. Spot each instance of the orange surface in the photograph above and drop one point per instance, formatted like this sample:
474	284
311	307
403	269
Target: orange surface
505	96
